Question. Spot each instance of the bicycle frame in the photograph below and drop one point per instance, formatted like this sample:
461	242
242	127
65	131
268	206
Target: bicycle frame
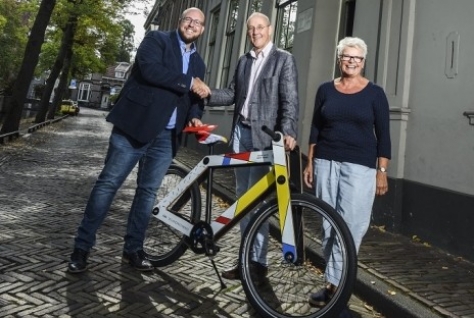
278	175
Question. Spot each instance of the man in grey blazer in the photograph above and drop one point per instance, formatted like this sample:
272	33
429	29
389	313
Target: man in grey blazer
265	92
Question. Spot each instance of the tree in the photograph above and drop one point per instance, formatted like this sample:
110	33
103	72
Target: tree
89	44
27	69
65	51
126	44
14	28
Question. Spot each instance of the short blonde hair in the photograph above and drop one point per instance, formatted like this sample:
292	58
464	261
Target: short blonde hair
352	42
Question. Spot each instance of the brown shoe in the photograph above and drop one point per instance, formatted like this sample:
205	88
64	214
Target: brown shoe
232	274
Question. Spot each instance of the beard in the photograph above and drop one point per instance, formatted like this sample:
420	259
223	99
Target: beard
188	38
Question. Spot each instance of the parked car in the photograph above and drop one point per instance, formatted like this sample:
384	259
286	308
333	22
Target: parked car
69	107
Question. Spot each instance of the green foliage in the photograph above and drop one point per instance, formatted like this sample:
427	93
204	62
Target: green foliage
103	36
16	17
127	41
100	39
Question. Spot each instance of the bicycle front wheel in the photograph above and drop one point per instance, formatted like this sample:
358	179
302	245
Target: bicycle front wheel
164	244
283	289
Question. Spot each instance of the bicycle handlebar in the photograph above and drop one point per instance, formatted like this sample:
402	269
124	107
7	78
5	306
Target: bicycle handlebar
276	137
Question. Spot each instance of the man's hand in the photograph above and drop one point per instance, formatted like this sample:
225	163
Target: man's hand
195	122
290	142
200	88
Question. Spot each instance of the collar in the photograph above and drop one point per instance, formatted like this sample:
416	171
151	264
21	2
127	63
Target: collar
266	50
182	45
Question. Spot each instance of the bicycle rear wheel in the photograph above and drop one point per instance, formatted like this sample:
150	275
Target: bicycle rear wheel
164	244
284	291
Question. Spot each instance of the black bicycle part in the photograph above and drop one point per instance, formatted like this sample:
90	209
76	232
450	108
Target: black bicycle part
283	289
164	244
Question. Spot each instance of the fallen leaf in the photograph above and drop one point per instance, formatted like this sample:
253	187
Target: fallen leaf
391	292
444	268
369	307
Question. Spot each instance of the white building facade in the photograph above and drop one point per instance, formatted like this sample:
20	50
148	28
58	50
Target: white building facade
419	52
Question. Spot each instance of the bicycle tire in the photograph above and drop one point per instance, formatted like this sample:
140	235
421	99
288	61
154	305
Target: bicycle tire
164	244
284	290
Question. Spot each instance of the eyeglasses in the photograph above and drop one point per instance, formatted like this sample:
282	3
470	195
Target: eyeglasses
257	28
190	20
357	59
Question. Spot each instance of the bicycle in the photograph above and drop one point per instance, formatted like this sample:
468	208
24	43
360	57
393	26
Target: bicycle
296	262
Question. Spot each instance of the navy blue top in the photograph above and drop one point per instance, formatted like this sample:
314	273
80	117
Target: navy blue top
352	128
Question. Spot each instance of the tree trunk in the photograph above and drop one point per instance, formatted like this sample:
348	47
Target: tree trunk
62	86
66	44
28	65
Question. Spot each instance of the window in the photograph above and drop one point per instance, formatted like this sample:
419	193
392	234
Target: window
285	24
230	35
166	17
212	41
84	92
254	6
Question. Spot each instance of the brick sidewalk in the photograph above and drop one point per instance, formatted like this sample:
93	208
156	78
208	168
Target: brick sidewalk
400	277
45	179
44	182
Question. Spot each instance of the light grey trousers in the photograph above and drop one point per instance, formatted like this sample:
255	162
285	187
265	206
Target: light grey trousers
350	189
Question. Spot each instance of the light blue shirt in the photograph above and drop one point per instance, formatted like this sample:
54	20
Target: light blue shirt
186	56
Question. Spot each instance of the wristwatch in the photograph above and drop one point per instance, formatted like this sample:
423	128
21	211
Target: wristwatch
382	169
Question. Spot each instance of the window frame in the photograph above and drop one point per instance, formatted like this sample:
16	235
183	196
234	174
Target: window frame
285	7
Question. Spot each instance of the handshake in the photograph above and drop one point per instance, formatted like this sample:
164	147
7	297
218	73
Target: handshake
200	88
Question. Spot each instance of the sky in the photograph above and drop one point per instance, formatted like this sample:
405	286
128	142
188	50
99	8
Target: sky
138	20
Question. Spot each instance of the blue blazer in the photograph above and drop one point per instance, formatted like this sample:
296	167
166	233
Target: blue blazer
157	86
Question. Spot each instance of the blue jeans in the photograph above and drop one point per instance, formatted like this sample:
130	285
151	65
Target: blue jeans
246	177
123	154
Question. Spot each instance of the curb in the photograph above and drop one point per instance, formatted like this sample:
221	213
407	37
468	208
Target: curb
9	137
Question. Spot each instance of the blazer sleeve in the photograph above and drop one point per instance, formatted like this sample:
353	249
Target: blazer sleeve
289	102
159	65
226	96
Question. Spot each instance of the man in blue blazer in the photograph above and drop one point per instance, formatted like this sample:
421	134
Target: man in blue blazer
162	94
264	91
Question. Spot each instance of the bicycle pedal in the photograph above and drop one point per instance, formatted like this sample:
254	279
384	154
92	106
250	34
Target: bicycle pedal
212	251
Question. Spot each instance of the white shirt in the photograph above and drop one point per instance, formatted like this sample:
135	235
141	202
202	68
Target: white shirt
257	62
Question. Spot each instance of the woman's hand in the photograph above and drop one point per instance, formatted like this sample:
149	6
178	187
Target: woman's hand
308	174
381	183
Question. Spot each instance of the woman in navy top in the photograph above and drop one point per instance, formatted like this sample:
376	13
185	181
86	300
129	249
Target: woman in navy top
349	150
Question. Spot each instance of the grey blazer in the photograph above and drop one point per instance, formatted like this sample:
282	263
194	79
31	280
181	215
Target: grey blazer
274	101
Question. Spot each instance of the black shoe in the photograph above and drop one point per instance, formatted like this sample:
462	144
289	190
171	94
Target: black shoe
78	261
320	298
138	260
257	270
346	313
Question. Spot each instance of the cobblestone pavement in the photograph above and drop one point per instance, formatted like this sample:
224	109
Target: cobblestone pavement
45	179
400	277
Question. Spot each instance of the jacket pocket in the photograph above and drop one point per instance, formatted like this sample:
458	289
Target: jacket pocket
140	96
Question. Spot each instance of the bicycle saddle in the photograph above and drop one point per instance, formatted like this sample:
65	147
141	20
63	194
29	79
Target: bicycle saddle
203	134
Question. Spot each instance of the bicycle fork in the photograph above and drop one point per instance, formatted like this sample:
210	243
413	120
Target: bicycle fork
287	222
